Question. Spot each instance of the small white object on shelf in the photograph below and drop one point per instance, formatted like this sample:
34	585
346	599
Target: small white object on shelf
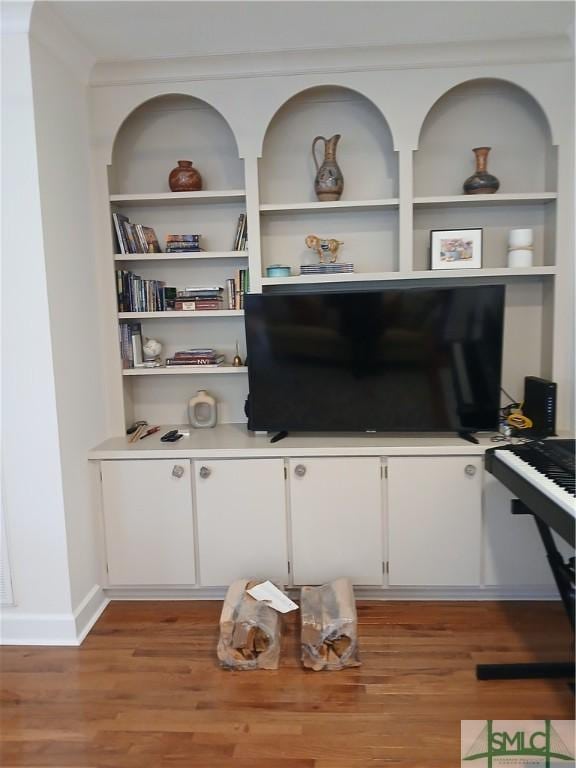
520	245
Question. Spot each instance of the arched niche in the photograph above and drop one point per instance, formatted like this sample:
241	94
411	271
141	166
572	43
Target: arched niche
485	112
169	128
365	153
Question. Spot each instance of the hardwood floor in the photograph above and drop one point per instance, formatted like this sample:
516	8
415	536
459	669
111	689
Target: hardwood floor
145	691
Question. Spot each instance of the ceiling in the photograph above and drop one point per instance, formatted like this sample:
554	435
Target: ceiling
117	30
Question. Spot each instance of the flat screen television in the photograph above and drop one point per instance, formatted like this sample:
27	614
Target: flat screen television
391	360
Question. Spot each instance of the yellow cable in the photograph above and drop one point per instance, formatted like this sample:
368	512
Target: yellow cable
517	419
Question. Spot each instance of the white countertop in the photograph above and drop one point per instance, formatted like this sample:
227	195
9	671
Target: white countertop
234	440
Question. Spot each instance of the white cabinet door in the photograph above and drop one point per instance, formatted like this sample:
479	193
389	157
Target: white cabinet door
241	511
434	519
514	554
149	522
336	516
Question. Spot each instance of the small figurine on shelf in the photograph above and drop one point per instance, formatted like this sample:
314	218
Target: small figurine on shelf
152	350
324	248
237	361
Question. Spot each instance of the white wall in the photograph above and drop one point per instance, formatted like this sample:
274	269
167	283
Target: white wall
52	395
31	456
61	110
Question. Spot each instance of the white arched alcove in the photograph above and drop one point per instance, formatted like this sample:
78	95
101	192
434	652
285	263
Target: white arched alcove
501	115
365	152
478	113
169	128
369	165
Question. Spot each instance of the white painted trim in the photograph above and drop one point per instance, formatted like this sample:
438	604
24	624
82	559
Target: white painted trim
456	594
89	611
318	61
66	629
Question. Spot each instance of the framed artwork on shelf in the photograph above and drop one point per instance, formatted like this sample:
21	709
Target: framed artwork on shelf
456	248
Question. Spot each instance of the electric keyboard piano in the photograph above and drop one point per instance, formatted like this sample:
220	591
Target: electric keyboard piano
541	475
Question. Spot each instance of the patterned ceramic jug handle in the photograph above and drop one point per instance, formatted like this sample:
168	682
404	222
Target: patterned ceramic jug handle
317	139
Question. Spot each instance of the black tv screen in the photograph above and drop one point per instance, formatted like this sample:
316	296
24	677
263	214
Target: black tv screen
395	360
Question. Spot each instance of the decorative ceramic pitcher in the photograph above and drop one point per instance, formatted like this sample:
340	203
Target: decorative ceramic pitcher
329	181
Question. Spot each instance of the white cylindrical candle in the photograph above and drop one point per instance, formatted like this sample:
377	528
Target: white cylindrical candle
520	257
520	238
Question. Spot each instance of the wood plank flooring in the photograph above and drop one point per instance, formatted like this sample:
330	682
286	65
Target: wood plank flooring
145	691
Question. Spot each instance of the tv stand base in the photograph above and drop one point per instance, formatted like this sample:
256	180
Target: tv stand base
469	437
279	436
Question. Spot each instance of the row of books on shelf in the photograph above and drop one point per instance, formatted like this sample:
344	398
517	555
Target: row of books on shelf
241	236
236	288
137	238
131	351
136	294
196	357
335	268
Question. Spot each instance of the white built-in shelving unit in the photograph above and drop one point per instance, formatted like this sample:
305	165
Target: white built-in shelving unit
403	179
147	147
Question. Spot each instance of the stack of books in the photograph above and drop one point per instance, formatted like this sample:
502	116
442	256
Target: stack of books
183	243
138	295
236	287
131	344
241	236
134	238
199	298
205	358
326	269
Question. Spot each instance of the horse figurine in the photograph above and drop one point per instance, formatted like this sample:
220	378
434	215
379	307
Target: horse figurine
324	248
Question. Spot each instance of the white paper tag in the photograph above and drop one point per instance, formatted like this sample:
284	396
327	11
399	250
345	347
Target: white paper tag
268	593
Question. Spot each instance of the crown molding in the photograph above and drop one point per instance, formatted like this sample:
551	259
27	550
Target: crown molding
48	28
330	60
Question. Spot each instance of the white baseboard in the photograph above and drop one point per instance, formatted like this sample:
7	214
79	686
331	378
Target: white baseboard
89	611
52	628
362	593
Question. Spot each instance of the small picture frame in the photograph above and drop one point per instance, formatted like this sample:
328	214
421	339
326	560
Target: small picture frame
456	248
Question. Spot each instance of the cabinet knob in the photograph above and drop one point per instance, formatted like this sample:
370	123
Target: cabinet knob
470	470
300	470
205	472
177	470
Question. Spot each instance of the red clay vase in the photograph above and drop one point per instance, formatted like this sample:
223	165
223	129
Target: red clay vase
185	178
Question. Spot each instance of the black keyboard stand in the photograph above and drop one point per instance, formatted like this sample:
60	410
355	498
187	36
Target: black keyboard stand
564	577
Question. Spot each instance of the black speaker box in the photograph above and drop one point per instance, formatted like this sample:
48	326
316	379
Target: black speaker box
540	405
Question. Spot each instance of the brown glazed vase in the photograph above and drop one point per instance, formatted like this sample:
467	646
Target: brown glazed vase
481	182
185	178
329	181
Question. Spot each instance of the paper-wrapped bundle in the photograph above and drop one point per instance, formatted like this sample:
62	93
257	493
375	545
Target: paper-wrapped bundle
249	630
329	626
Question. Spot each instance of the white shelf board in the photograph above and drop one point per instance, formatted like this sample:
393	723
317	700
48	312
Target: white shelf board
428	274
170	198
179	314
235	441
336	205
180	256
495	199
205	370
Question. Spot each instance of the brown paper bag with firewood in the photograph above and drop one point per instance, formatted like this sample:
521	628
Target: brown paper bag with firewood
249	630
329	626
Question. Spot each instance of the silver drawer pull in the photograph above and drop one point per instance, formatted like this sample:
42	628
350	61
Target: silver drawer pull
299	470
177	471
470	470
205	472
